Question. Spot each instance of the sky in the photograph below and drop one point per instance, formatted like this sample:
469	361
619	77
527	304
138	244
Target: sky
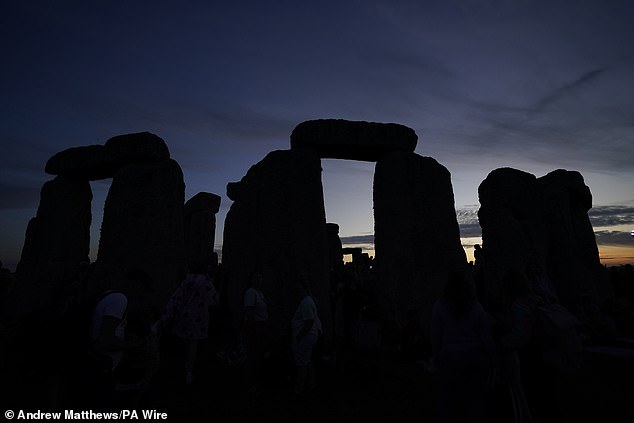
533	85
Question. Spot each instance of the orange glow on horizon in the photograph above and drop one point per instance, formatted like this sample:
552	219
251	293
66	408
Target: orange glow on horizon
616	255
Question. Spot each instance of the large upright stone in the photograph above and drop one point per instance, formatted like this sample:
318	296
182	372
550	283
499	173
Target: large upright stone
56	241
103	161
335	248
417	238
572	259
542	221
277	224
143	228
353	140
509	199
200	227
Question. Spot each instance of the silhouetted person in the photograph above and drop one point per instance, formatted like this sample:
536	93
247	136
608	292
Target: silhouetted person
540	282
187	313
111	340
306	329
478	272
530	379
255	328
463	352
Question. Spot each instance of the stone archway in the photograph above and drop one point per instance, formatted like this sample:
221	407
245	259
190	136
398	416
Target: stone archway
277	221
143	226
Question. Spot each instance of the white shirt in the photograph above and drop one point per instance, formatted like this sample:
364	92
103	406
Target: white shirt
255	298
306	310
114	305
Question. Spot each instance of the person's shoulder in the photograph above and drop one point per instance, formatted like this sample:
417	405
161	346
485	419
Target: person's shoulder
113	297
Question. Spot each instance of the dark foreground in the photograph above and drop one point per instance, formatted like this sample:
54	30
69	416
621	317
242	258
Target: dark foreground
360	386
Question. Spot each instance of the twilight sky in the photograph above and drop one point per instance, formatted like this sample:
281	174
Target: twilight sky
534	85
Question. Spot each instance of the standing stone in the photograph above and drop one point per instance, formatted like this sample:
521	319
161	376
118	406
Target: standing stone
277	224
335	249
95	162
510	227
417	238
572	259
143	228
56	241
543	221
200	228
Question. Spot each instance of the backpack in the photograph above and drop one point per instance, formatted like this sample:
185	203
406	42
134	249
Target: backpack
557	333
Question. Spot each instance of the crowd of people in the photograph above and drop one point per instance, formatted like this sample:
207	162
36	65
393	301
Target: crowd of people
486	363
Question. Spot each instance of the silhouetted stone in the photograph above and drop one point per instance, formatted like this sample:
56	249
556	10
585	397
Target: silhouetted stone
573	257
200	227
277	224
56	241
234	191
100	162
335	250
353	251
355	140
203	201
87	162
544	221
417	238
143	227
141	147
507	215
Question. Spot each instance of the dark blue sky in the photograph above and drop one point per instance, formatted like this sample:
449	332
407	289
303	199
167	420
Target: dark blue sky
536	85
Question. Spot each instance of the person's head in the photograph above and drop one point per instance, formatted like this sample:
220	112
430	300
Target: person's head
459	293
256	280
138	283
301	288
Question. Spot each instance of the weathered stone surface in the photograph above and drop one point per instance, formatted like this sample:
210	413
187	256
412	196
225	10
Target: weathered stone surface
143	228
56	241
354	140
277	224
417	238
200	227
100	162
545	221
203	201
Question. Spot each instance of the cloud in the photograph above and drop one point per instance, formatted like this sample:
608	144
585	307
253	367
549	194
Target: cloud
567	89
471	230
605	216
358	239
614	238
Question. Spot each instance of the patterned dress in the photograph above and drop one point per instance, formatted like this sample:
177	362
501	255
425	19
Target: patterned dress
188	307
